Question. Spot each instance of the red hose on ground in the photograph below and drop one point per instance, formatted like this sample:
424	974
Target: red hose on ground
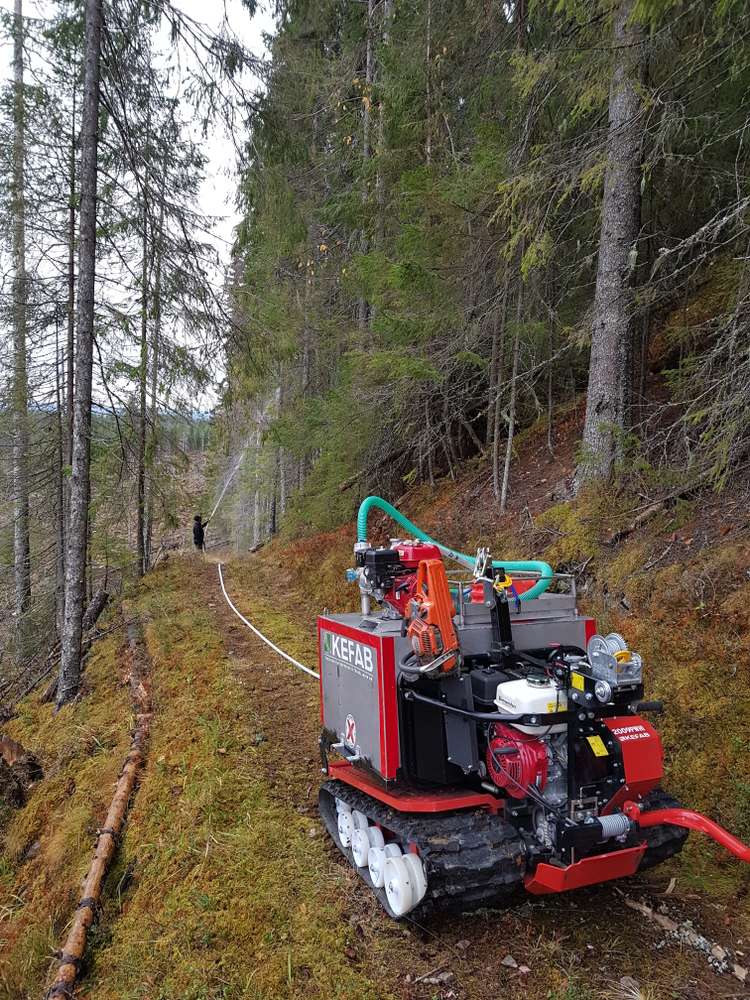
692	821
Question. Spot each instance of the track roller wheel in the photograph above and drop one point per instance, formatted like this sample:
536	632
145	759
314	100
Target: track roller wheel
418	878
345	826
362	841
399	888
359	820
376	859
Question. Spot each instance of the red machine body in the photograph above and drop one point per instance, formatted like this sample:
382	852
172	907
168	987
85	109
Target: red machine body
516	761
467	700
411	554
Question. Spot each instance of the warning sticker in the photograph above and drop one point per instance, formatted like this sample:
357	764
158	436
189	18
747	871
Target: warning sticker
597	745
577	681
350	732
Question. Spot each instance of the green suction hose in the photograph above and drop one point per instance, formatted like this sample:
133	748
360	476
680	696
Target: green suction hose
519	565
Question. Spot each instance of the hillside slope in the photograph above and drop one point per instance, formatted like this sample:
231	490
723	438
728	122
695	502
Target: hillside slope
224	885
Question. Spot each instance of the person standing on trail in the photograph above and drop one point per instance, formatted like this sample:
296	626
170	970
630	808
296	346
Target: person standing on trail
199	526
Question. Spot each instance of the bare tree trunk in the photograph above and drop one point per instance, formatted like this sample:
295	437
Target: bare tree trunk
362	307
21	545
513	395
75	570
154	388
550	396
256	495
495	412
283	488
143	365
609	367
59	496
428	432
521	24
142	419
387	12
71	291
428	89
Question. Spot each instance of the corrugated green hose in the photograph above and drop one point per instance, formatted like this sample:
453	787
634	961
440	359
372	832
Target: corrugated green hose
519	565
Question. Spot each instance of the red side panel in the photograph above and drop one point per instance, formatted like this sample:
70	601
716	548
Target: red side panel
388	710
410	801
589	628
589	871
320	675
387	707
642	755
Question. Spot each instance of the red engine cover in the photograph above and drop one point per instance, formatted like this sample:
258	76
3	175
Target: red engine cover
515	771
411	554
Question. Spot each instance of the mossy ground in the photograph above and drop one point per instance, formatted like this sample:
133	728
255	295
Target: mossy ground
47	846
229	895
223	886
677	587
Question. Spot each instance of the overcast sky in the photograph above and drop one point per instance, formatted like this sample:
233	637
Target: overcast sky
217	196
218	192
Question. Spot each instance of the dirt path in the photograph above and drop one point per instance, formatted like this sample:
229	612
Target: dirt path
574	947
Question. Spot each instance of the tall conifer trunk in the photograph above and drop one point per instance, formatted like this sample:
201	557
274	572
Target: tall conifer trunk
609	367
75	570
21	545
143	366
71	287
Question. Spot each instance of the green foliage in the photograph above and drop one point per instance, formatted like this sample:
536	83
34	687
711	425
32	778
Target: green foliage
392	226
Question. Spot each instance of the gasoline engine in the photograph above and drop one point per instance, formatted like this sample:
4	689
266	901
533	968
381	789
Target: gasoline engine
479	735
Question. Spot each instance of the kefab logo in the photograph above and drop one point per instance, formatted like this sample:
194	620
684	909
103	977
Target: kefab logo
350	731
348	651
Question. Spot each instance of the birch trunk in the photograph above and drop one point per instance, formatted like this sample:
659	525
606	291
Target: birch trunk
75	570
21	546
609	367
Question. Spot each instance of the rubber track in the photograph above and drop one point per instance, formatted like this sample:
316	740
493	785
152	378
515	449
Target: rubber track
471	858
665	840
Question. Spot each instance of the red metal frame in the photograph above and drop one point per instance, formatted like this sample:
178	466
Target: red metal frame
589	871
642	757
413	801
589	628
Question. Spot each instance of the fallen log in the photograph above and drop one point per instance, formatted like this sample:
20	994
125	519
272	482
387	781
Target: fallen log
637	522
72	952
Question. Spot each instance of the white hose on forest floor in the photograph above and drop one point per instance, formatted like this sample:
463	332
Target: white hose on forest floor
274	647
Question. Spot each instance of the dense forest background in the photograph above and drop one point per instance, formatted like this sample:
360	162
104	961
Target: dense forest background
461	216
459	220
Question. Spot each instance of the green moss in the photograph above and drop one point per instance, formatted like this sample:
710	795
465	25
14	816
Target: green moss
235	897
572	532
47	845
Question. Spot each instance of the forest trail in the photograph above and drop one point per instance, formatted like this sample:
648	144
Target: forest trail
224	886
580	945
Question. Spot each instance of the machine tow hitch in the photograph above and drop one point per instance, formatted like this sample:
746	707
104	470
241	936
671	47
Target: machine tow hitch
691	821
